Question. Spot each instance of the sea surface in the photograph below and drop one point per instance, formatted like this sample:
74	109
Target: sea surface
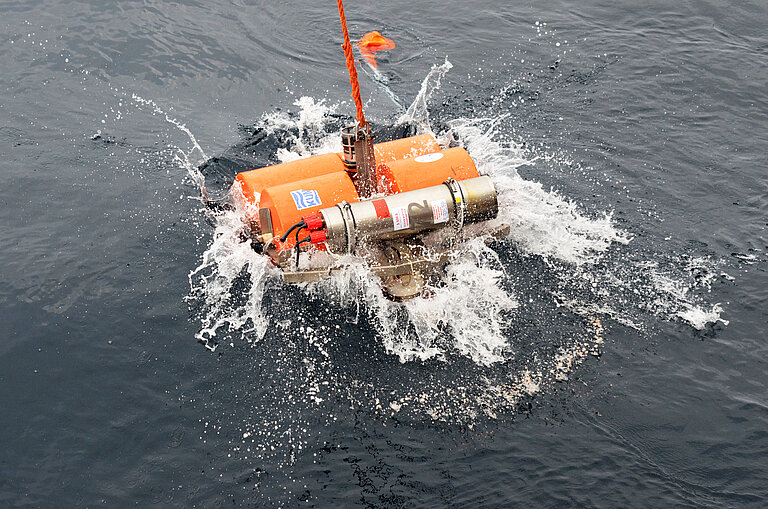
612	351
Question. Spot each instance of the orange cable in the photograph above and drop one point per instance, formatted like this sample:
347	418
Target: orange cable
347	46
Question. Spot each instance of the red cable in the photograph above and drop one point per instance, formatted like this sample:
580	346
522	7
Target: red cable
347	46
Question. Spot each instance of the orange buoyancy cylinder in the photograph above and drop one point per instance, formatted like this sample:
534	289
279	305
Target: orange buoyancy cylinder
427	170
254	182
404	148
288	202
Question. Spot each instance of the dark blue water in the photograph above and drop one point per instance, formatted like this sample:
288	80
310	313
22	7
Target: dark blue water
610	352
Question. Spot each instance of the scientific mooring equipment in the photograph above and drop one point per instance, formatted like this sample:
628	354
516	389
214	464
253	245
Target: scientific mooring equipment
375	201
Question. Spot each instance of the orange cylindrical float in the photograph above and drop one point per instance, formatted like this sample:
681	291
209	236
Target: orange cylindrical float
405	148
427	170
254	182
288	202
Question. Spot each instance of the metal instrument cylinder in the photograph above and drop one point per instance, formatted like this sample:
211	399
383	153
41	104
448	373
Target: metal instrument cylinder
451	204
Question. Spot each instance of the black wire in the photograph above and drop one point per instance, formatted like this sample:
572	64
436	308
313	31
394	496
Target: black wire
297	247
300	224
298	250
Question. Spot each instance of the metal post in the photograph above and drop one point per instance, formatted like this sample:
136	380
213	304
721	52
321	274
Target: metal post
366	162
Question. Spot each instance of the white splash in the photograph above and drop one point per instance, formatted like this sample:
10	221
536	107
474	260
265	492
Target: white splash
418	111
311	138
674	299
469	313
225	261
188	159
470	304
542	222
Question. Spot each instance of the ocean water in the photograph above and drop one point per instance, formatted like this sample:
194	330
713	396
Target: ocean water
611	351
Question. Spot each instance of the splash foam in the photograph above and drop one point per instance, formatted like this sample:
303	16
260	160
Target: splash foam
473	315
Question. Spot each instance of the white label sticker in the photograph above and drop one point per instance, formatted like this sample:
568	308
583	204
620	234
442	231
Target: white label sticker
400	218
440	211
429	158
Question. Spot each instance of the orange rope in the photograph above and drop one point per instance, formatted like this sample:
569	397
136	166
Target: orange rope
351	67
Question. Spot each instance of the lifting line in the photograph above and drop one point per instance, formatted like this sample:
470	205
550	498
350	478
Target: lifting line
347	46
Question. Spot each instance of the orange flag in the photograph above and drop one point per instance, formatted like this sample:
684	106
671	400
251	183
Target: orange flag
371	43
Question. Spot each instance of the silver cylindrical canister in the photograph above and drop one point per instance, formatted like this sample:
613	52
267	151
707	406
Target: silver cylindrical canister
451	204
